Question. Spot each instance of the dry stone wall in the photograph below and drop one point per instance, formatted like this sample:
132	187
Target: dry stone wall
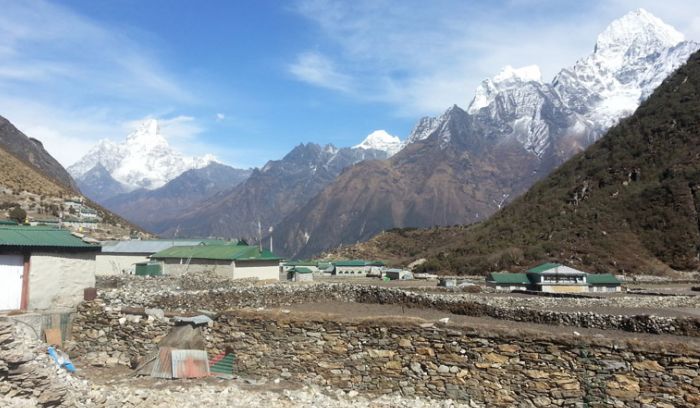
458	363
279	295
418	359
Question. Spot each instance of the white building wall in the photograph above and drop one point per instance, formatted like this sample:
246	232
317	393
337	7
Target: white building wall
262	270
350	271
117	264
180	266
57	280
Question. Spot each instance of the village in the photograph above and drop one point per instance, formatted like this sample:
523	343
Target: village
187	310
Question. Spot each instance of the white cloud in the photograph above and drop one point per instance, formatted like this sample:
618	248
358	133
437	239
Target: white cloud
316	69
423	57
57	66
220	117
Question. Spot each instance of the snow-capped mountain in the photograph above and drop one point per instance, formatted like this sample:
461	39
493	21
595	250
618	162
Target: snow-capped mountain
464	165
143	160
631	57
380	140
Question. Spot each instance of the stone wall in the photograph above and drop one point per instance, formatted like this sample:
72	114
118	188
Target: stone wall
284	294
458	363
103	336
496	368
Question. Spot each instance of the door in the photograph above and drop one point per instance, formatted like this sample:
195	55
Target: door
11	269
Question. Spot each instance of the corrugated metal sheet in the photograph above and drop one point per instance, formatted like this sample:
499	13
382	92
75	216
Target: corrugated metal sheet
222	365
190	363
26	236
137	246
163	365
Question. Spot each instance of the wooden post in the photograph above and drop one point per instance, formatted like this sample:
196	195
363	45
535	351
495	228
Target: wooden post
24	302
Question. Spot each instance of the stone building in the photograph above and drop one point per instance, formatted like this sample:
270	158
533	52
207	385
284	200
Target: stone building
231	261
43	268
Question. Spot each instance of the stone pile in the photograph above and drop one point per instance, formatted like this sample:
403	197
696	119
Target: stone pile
27	373
105	337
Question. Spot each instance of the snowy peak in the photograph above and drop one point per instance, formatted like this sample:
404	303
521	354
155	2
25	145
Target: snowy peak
636	34
511	75
143	160
147	134
380	140
508	79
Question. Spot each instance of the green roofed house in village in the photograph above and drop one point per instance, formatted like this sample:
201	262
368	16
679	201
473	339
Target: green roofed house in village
554	277
301	274
231	261
44	268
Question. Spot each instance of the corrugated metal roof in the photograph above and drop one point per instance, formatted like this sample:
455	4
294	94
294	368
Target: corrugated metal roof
45	237
509	278
217	252
602	279
137	246
301	269
543	267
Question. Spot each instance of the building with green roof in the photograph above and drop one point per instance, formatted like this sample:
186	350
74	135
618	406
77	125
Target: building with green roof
300	274
232	261
556	278
44	268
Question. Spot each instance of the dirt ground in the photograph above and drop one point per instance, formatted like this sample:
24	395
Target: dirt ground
363	310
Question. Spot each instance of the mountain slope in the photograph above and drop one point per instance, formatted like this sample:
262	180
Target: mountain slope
99	185
150	208
463	166
629	203
31	151
143	160
269	194
24	185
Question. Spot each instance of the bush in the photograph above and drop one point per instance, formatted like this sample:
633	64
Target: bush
18	214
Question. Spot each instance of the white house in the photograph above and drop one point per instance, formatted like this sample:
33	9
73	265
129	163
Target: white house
43	268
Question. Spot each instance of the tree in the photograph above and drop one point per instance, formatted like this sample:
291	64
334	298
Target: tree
18	214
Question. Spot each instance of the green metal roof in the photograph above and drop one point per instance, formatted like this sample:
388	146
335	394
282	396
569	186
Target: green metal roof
45	237
301	269
543	267
602	279
301	263
358	262
509	278
218	252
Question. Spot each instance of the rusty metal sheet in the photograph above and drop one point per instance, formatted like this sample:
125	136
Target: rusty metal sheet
163	366
190	363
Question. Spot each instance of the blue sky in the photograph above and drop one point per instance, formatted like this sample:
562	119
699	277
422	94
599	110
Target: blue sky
248	80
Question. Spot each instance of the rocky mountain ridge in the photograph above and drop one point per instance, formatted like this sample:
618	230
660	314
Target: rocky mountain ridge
269	194
464	165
